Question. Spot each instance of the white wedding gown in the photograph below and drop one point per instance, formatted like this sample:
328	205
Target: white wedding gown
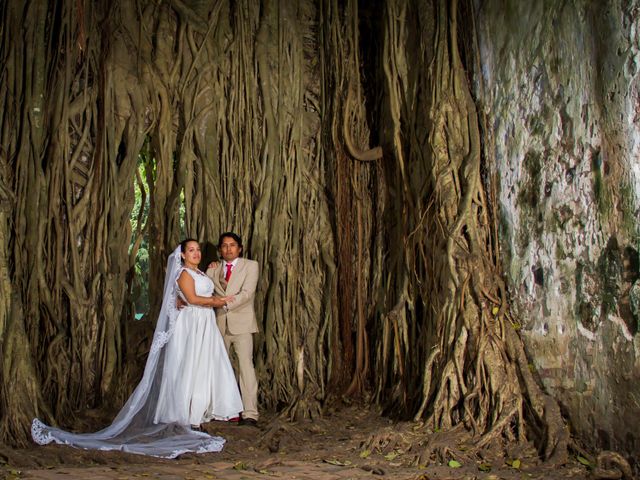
198	383
187	380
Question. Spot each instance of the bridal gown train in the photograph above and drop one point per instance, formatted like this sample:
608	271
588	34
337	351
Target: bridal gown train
187	380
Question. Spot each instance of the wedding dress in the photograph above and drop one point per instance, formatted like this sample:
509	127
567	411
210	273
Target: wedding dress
198	383
187	380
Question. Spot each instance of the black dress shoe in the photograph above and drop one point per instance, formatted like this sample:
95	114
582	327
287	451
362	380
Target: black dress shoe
249	421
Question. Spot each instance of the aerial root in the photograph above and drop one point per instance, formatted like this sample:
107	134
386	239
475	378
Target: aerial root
303	408
557	435
497	429
276	429
612	465
388	440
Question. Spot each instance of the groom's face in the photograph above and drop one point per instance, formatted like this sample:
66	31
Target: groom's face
229	249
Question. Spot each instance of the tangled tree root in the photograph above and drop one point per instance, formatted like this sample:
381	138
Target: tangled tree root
425	447
303	407
612	465
389	439
277	428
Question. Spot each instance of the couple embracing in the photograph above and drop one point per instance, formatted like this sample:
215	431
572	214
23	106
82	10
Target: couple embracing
188	378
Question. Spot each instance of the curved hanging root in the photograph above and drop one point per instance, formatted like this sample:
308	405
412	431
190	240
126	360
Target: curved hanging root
362	155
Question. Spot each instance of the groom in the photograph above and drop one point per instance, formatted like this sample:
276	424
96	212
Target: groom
237	277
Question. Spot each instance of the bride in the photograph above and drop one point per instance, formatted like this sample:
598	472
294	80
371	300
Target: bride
187	380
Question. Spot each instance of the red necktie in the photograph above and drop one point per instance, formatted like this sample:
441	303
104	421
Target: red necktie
227	275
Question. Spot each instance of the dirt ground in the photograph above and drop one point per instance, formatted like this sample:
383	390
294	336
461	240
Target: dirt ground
347	443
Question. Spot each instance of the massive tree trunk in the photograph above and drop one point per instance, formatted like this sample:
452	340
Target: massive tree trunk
448	350
263	118
74	123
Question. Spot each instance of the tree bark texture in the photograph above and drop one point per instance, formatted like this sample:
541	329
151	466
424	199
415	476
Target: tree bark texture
378	268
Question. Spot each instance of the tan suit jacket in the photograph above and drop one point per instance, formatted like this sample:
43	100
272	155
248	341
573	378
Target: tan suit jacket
240	315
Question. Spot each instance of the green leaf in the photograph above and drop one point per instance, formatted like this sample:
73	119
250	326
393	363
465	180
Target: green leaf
515	463
584	461
240	466
495	310
454	464
391	455
365	453
484	467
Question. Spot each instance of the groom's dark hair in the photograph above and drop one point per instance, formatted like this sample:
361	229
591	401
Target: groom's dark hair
233	235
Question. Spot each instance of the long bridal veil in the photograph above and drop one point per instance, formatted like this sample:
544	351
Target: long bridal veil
133	430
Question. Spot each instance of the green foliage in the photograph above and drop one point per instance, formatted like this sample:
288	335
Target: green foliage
139	216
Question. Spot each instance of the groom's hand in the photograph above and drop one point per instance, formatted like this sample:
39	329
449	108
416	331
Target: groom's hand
180	304
213	265
218	302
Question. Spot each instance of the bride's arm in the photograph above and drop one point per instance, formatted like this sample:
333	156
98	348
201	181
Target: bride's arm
188	289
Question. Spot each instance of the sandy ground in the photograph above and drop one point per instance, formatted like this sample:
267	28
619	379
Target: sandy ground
344	444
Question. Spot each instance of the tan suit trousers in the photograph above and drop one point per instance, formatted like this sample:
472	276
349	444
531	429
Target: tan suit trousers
243	347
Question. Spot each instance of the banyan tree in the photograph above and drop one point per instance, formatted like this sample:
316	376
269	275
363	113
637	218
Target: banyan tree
343	140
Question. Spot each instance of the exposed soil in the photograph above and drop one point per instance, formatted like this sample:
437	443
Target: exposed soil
346	443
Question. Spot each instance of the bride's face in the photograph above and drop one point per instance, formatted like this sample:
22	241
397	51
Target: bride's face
191	254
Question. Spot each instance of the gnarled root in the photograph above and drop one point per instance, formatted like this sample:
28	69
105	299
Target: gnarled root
612	465
303	407
553	436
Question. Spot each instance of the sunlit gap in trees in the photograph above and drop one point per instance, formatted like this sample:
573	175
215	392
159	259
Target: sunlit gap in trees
140	218
139	239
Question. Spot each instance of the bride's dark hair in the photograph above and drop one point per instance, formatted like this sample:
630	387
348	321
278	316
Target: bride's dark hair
183	245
